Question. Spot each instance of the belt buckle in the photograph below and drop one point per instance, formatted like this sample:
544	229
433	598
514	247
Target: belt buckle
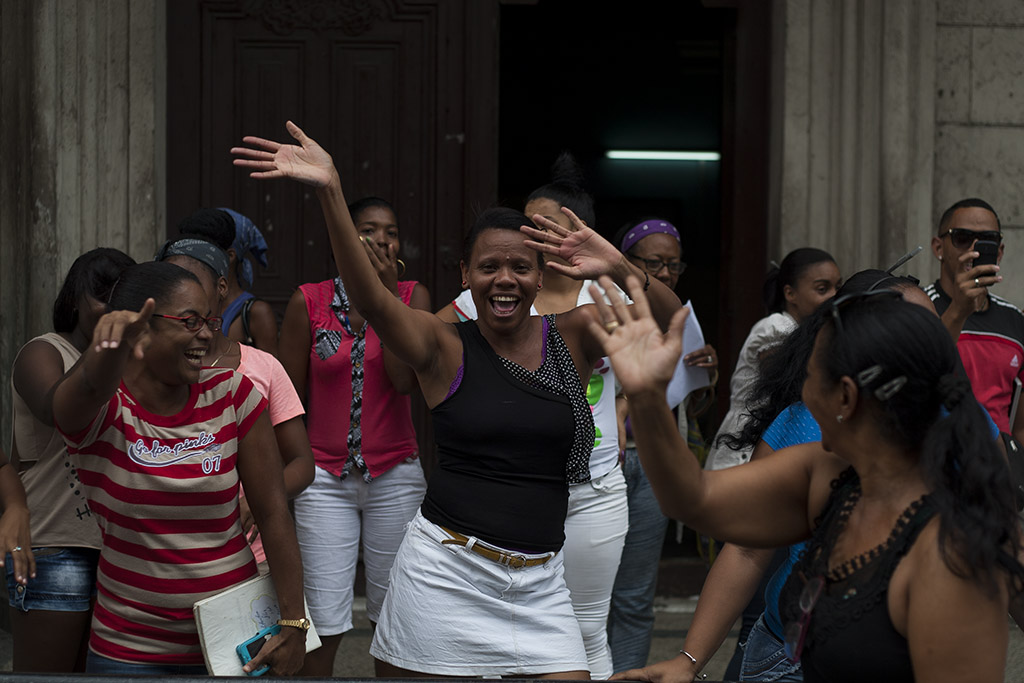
513	560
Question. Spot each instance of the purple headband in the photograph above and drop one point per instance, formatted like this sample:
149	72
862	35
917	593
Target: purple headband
646	229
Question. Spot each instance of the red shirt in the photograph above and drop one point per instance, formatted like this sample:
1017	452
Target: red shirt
991	347
384	435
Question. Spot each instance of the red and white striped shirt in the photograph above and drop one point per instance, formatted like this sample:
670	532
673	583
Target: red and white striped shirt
165	492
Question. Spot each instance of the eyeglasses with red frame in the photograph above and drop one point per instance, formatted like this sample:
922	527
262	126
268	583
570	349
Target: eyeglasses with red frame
195	321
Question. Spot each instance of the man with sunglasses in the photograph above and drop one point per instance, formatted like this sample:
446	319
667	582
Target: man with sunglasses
988	329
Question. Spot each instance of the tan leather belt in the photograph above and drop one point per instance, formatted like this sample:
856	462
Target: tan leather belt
511	560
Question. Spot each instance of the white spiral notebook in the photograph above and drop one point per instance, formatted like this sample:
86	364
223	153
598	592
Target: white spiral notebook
230	618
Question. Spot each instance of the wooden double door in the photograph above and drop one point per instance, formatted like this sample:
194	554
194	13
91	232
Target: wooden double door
402	93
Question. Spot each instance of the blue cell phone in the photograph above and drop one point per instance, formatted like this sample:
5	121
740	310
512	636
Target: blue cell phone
250	648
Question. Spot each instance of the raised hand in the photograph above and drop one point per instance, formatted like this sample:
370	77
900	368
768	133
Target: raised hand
306	162
124	328
588	254
972	284
643	357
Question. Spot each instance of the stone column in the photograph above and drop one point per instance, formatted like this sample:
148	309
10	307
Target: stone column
979	144
853	130
82	107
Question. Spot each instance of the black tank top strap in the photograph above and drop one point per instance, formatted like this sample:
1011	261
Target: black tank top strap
853	602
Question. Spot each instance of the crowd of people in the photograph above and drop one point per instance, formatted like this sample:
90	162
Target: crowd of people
170	442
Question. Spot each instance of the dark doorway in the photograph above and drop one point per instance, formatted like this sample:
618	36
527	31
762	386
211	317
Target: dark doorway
682	75
590	78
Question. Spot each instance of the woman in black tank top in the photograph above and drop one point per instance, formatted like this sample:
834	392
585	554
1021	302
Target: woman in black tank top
906	500
513	426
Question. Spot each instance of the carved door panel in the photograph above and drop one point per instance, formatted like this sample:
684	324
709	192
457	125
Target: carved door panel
402	93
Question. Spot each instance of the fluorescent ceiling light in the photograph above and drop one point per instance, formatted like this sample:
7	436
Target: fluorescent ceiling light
642	155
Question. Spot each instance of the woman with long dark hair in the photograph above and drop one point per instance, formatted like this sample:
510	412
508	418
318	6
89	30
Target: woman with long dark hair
912	532
778	419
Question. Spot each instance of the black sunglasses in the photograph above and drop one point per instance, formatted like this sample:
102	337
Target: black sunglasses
963	238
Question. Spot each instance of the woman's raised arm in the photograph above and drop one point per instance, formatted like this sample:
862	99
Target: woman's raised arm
766	503
414	336
88	386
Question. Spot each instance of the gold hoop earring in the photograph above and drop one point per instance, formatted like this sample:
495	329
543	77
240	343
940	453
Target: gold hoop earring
401	263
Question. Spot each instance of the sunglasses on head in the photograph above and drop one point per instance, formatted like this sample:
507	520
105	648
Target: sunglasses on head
837	304
963	238
865	378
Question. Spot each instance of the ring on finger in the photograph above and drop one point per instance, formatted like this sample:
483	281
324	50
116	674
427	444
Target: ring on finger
611	326
16	549
977	283
710	359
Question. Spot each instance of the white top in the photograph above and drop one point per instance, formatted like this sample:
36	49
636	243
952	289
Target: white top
764	335
600	390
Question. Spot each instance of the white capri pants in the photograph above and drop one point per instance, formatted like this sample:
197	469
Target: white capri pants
331	516
595	531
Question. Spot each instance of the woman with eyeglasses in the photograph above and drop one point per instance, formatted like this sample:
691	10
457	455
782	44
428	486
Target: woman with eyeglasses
211	266
912	533
597	519
50	613
161	445
654	245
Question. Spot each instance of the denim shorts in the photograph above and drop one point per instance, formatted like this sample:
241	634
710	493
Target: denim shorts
65	581
764	658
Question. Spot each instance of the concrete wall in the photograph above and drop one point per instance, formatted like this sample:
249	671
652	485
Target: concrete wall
854	122
886	113
979	118
82	140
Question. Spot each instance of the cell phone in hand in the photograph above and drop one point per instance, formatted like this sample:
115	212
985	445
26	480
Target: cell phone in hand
988	251
248	650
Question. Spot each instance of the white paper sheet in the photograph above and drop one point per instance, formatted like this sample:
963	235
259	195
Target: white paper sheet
688	378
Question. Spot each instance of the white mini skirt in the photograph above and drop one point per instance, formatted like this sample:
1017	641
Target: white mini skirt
451	612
